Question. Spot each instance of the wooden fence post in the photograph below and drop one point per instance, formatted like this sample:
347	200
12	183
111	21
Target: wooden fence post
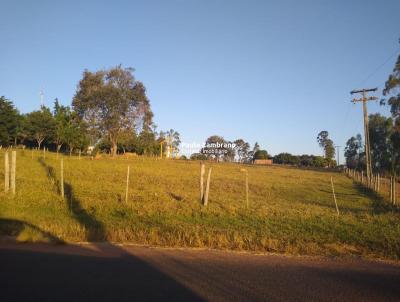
62	178
378	183
6	172
127	186
13	170
391	189
247	187
207	187
202	171
334	196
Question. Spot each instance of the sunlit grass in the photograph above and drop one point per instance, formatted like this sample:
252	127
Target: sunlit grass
291	210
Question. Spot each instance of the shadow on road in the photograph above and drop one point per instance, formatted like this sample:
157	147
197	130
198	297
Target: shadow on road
99	272
81	274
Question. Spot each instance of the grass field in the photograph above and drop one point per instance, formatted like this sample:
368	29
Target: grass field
291	210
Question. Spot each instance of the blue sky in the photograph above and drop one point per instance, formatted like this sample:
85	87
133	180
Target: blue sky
276	72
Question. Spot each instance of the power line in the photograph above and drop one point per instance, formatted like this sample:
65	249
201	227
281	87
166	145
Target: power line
380	66
338	154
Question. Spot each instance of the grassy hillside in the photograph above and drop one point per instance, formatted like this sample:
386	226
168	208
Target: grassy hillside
291	210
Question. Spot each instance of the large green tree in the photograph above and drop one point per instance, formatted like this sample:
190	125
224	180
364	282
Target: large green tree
62	115
9	122
111	101
41	125
75	132
392	94
261	154
380	134
353	152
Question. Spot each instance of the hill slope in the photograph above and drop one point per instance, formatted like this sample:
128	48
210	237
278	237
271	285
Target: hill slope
290	210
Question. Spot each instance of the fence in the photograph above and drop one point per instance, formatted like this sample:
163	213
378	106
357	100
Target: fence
388	188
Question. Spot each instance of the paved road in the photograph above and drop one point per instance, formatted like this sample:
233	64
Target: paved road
103	272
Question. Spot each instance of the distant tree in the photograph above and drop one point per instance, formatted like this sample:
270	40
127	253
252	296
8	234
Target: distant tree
41	125
62	116
198	156
286	159
250	154
256	147
172	139
127	141
214	148
147	143
327	145
111	101
353	152
261	154
75	133
9	122
22	129
380	133
319	161
242	149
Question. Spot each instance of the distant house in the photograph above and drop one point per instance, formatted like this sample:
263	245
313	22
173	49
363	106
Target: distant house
262	161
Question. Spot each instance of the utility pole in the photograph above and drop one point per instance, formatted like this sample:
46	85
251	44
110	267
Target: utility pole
364	99
338	154
41	98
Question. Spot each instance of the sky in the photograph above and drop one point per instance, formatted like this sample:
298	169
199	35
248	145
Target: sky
272	72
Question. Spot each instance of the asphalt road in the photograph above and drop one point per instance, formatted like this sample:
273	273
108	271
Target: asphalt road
103	272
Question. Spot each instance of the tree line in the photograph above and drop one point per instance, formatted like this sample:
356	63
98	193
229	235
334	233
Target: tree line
384	133
110	110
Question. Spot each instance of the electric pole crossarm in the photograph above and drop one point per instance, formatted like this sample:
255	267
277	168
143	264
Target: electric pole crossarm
363	90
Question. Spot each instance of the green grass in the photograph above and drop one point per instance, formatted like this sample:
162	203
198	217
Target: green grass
291	210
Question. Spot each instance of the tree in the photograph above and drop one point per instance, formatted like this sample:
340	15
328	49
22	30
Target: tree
111	101
251	153
353	152
242	149
171	139
147	143
215	147
62	117
286	159
9	122
75	133
198	156
380	133
392	91
327	145
40	125
261	154
127	140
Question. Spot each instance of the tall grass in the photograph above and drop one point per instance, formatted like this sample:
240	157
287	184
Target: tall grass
290	210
